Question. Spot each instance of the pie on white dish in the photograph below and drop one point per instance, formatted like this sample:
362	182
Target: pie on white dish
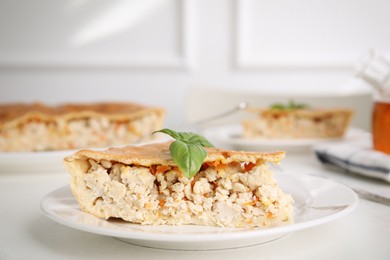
142	184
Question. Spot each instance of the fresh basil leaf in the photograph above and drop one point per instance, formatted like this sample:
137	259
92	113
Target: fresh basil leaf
278	106
170	132
190	138
197	139
291	105
189	157
187	151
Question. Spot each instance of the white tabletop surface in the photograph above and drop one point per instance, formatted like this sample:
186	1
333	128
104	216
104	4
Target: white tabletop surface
25	233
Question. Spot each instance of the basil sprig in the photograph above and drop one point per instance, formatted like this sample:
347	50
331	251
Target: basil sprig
187	150
291	105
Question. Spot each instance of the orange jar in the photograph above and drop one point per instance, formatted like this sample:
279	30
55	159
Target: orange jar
381	126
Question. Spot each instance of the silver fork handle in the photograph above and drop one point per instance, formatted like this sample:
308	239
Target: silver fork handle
240	106
372	196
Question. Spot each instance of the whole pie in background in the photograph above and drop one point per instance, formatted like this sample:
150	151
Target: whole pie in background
40	127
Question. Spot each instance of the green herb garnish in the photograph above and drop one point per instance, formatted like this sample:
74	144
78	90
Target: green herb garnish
187	150
291	105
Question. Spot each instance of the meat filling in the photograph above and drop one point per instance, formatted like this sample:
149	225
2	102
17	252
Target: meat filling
227	195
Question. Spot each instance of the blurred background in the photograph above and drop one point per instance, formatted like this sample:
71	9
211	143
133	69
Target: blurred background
195	58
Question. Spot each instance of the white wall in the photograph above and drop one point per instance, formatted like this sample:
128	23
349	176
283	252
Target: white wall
156	51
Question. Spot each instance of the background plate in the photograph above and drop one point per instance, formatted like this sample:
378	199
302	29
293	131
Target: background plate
231	136
49	161
32	162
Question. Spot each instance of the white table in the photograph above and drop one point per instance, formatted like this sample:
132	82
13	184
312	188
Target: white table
25	233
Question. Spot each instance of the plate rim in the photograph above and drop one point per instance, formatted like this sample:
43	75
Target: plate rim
50	161
246	233
225	132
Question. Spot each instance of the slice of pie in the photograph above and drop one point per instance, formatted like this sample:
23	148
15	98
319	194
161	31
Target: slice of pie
142	184
39	127
297	123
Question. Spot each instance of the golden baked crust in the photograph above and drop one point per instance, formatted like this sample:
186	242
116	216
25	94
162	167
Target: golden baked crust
16	113
309	113
158	154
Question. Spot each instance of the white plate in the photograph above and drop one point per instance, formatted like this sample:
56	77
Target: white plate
231	135
46	162
51	161
317	201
